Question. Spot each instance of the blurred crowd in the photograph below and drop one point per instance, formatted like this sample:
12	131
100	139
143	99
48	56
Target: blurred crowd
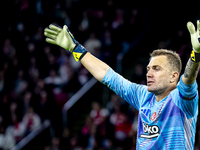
37	78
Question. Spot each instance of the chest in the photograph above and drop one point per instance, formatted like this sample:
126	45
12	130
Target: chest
151	111
159	113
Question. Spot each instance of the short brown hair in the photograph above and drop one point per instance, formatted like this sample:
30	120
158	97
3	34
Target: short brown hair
172	57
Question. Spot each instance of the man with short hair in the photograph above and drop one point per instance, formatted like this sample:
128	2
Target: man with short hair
167	108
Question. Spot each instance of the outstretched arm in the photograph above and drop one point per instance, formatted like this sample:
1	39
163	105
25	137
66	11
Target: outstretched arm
191	71
65	39
95	66
193	64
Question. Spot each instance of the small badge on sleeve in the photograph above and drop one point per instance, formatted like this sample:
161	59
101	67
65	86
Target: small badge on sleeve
79	52
195	57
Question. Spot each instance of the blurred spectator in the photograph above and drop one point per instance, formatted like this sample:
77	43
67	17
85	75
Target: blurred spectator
66	73
121	124
31	47
31	120
108	145
85	132
107	46
74	144
21	84
83	76
98	114
40	85
113	101
139	74
65	139
60	96
73	63
2	81
93	44
47	148
13	109
107	40
92	140
53	78
12	71
26	101
84	25
17	129
64	58
119	19
44	107
38	37
55	143
8	49
7	142
52	63
33	70
39	10
2	128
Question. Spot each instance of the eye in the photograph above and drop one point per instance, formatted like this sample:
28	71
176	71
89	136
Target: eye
157	68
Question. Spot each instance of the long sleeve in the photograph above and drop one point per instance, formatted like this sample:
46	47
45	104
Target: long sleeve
129	91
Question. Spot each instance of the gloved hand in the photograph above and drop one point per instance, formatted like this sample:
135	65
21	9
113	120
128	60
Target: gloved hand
64	38
195	35
60	37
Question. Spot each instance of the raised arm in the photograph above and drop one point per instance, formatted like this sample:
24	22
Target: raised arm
193	64
64	38
95	66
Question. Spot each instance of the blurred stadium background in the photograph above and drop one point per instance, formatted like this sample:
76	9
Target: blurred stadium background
50	102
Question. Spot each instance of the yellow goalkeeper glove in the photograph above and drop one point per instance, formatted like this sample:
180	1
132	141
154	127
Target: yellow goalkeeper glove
65	39
195	38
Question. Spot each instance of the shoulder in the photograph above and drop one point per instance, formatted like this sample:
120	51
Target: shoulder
187	102
187	91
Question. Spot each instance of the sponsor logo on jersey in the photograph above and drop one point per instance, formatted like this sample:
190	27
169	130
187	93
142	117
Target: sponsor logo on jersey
151	131
145	111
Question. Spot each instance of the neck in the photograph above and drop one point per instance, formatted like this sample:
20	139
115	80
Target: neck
162	95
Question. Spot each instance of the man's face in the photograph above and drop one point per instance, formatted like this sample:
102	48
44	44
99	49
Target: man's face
158	75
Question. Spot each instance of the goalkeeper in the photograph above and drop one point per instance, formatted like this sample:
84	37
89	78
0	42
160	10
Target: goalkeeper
168	108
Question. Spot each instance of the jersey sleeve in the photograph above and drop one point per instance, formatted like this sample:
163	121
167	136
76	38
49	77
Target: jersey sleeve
190	107
131	92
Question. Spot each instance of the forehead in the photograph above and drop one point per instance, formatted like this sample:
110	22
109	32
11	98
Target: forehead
158	61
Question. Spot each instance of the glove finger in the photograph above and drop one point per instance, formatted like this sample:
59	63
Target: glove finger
191	27
50	35
50	31
65	29
198	26
50	41
55	27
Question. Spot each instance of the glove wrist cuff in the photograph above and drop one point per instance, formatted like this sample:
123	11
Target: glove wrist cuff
79	52
195	57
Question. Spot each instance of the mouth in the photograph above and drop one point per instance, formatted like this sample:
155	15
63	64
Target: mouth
149	83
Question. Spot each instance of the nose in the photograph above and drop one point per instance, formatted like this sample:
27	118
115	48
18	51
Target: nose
149	73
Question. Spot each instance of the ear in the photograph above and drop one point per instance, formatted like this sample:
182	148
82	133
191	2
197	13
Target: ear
174	77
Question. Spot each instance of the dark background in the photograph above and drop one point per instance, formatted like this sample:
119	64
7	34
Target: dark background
156	25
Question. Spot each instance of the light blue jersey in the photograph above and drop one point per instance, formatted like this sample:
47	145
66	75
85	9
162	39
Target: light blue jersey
168	124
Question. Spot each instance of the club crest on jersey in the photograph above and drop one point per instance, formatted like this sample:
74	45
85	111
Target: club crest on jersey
153	116
152	131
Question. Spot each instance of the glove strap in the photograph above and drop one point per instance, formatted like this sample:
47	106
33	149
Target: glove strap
195	57
78	52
